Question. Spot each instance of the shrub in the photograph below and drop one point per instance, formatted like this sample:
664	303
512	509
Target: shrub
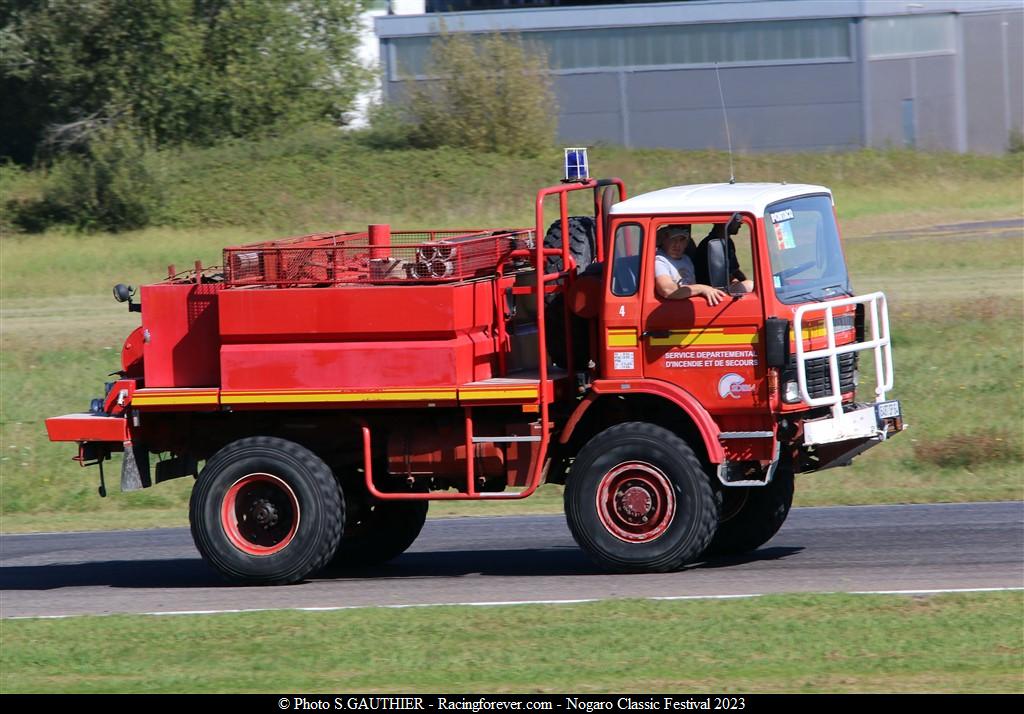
1016	142
110	186
390	127
969	450
490	93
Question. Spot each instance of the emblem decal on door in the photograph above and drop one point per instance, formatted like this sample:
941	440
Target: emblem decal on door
733	385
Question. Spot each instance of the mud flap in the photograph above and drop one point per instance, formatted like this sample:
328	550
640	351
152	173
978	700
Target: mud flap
135	467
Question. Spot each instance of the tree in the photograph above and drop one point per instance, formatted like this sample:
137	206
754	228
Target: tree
184	70
489	93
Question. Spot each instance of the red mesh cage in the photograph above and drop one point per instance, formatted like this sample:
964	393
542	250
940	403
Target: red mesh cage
343	258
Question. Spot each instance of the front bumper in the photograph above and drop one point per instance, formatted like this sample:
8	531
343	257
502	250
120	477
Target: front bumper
834	441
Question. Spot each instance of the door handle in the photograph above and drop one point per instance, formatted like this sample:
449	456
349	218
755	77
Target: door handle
655	333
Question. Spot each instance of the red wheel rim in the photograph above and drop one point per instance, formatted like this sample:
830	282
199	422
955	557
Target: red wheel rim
260	514
636	502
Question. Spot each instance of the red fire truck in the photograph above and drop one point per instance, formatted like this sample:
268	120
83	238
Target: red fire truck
331	385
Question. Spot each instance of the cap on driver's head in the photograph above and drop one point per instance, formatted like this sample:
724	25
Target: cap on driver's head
675	232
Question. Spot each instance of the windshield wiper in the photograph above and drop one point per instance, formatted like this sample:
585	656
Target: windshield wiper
800	296
818	293
839	287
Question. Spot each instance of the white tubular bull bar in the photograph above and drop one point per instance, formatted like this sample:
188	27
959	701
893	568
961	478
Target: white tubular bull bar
879	342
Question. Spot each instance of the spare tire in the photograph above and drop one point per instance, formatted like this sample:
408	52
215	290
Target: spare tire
582	248
582	243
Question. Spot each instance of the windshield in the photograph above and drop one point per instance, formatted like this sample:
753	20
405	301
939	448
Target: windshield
803	244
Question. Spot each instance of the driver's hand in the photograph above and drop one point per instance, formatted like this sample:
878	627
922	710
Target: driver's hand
712	295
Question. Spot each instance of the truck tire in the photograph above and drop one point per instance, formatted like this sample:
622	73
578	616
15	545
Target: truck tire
582	241
266	511
377	531
637	500
750	516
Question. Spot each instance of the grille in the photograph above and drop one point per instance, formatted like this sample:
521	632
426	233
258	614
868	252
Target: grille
819	381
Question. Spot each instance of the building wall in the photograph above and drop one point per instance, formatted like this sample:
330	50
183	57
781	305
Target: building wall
947	74
770	108
590	109
993	52
913	102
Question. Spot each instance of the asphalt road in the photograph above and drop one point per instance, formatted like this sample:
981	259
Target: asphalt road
526	558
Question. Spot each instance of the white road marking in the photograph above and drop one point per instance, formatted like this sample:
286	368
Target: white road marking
510	603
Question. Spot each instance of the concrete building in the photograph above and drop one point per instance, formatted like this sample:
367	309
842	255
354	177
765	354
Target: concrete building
796	74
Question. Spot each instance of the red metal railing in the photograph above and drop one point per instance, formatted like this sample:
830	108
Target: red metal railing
546	282
346	258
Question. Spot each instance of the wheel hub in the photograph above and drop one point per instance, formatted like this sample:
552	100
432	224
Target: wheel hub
636	502
260	514
265	513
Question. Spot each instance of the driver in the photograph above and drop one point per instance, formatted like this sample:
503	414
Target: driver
674	276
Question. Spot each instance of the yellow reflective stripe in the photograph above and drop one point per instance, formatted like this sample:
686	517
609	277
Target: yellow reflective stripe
622	338
185	398
685	338
492	394
142	398
810	333
306	397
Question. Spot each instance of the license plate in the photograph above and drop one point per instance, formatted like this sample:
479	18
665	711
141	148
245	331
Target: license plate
887	410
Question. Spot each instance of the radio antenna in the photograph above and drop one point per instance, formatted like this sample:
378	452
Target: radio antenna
725	115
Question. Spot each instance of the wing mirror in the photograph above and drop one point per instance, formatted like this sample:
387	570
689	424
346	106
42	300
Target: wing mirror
718	262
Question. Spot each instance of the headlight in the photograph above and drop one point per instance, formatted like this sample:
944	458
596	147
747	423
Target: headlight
791	395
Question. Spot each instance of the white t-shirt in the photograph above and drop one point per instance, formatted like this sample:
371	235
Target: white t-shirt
680	269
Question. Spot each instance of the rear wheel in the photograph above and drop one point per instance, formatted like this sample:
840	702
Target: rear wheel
637	500
377	531
266	511
752	515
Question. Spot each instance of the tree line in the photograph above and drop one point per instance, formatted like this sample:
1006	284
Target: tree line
94	90
172	71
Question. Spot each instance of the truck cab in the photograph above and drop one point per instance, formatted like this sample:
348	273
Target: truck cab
739	359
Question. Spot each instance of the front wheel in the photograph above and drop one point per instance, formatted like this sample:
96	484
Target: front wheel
266	511
751	515
637	500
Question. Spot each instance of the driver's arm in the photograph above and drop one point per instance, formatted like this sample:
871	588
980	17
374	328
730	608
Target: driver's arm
670	290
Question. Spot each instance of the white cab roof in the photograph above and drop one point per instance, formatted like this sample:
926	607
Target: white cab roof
714	198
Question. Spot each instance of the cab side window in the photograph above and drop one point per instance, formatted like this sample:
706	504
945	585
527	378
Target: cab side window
741	268
629	239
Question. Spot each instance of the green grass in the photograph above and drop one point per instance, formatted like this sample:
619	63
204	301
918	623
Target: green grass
319	179
956	302
793	643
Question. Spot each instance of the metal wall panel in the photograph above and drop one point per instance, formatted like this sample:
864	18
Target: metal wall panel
983	72
1015	67
771	108
891	84
993	67
589	108
935	102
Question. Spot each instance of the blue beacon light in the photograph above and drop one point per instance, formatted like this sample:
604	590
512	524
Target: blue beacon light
576	168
